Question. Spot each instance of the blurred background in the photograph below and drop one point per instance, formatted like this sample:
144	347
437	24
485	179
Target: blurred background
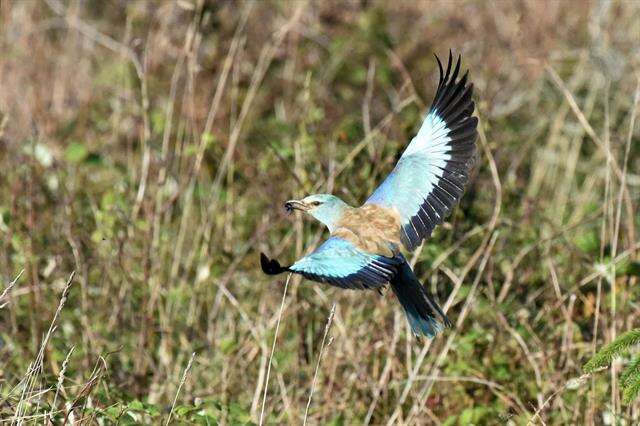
147	148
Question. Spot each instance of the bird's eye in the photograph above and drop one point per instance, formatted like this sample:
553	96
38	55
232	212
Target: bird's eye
315	203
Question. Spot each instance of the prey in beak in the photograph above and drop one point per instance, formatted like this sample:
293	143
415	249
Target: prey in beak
292	205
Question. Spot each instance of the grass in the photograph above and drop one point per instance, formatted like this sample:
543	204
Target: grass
145	155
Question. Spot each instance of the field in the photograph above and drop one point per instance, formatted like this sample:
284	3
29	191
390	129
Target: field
146	151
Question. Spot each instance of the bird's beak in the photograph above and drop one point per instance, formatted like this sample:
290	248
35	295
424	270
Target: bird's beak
292	205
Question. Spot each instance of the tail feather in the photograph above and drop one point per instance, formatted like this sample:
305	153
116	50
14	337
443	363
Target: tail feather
421	310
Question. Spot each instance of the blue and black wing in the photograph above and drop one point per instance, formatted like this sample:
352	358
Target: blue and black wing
340	263
432	173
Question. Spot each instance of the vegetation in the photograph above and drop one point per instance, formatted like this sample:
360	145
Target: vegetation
145	153
630	378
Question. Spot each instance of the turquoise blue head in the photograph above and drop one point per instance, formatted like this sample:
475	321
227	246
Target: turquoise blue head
326	208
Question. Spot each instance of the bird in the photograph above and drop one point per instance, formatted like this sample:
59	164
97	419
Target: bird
364	248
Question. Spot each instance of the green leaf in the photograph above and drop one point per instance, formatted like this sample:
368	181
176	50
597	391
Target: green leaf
204	419
114	411
612	350
136	405
191	150
76	153
631	389
473	415
151	409
227	345
632	371
631	268
207	138
183	410
588	241
238	413
338	420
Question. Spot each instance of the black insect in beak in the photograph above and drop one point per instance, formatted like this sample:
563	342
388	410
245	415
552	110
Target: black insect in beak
292	205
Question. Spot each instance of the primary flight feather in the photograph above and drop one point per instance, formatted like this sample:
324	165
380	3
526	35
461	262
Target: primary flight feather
363	251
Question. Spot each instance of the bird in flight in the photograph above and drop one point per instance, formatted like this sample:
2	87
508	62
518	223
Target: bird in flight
363	250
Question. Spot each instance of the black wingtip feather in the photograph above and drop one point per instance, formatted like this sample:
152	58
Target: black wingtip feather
457	70
271	266
446	76
448	83
452	103
441	73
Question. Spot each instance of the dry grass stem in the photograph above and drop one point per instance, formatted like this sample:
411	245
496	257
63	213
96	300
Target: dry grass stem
182	380
315	373
273	349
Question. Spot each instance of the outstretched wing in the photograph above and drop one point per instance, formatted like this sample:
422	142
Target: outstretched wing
340	263
431	175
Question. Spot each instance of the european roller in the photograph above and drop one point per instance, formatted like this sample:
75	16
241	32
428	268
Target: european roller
363	249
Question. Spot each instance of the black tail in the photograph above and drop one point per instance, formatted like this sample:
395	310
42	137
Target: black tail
422	311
